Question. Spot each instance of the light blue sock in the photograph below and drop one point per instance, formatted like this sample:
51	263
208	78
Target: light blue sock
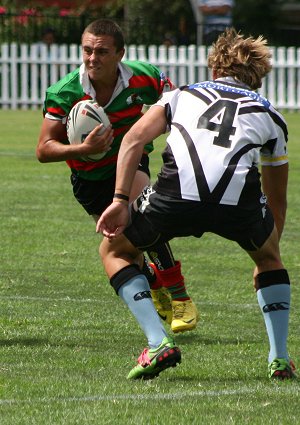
136	294
274	302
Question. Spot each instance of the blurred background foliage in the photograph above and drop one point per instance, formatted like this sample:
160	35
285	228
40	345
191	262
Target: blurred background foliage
144	22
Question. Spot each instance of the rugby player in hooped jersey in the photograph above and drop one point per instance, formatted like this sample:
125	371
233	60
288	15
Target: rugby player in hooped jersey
210	182
122	89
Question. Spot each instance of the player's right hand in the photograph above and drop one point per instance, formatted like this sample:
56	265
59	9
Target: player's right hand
97	143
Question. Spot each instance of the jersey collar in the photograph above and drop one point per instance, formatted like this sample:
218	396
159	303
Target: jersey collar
232	80
125	73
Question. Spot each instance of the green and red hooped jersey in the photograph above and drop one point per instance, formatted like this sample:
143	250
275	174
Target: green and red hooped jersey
145	87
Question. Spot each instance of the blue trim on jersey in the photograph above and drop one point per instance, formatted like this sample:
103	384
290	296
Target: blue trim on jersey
231	89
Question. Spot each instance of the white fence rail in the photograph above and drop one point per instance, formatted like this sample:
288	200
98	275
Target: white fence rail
27	70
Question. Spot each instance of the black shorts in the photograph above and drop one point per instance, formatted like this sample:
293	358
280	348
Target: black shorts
96	195
157	218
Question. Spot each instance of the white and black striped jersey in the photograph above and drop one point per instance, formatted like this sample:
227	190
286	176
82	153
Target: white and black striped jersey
220	131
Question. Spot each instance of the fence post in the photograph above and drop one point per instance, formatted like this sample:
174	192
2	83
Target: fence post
14	80
5	98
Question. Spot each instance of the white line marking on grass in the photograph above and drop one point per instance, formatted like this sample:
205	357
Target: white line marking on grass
156	396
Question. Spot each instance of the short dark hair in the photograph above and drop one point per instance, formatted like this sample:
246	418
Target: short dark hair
107	27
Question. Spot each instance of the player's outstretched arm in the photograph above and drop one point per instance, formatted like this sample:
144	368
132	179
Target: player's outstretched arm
115	218
146	129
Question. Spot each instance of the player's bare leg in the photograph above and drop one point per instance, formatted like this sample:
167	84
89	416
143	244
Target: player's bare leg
273	294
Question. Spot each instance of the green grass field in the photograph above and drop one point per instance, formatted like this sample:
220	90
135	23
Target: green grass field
67	342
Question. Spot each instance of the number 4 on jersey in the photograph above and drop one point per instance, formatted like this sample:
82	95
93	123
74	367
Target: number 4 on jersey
219	117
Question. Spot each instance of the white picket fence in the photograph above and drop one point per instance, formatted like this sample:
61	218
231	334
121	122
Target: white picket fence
27	70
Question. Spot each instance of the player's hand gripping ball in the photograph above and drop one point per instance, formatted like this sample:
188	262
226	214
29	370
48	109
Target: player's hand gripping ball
82	119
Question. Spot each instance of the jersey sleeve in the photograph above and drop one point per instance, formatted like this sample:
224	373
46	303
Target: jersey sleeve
279	156
274	152
165	83
162	83
168	101
55	106
169	97
63	95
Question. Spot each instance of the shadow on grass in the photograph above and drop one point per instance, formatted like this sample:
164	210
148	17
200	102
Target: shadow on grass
26	342
34	342
198	339
215	380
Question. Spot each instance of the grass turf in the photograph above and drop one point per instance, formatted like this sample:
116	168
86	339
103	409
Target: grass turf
67	342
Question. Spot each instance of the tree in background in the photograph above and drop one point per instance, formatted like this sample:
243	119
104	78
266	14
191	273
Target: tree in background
154	21
144	22
258	17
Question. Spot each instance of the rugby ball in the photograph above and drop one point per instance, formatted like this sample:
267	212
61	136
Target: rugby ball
82	119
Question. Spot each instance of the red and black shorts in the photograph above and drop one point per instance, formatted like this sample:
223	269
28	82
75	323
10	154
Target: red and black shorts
96	195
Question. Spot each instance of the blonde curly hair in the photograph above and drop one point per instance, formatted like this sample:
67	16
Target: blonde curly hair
247	60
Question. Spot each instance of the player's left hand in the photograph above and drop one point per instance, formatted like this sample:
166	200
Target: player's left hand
113	220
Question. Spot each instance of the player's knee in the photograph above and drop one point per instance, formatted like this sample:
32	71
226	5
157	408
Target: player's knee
110	249
104	249
124	275
272	277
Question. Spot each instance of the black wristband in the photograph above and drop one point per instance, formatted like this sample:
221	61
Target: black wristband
121	196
